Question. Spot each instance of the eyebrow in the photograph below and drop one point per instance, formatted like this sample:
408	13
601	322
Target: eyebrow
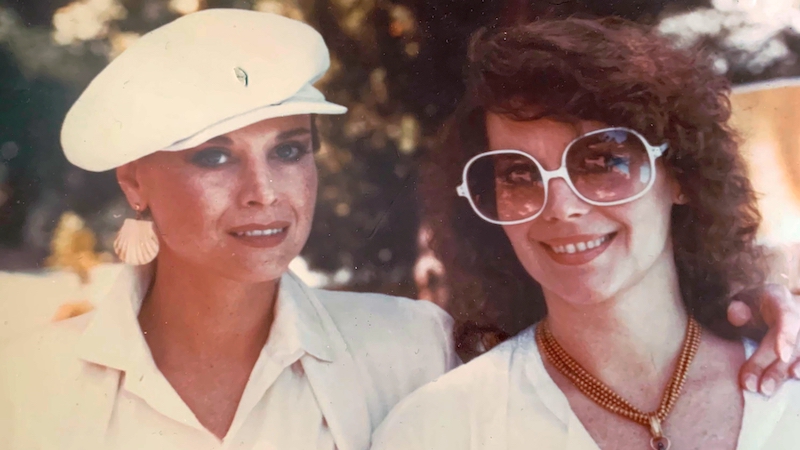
292	133
220	140
225	140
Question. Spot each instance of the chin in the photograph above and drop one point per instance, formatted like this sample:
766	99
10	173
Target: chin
252	269
578	294
579	287
586	297
255	275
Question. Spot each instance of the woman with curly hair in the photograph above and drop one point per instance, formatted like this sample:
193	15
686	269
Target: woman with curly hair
607	208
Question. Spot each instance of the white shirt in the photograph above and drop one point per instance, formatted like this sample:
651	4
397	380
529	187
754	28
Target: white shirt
277	409
335	364
505	399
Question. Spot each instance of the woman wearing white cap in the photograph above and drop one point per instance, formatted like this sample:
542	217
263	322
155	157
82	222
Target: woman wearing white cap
215	344
208	121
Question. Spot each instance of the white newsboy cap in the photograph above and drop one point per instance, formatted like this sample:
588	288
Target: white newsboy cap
198	77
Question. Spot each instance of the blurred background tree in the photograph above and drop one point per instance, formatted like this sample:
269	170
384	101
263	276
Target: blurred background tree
395	63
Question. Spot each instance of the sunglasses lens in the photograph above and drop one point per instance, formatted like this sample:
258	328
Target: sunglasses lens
610	166
506	186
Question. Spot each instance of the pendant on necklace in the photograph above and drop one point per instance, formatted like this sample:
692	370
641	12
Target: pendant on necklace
660	443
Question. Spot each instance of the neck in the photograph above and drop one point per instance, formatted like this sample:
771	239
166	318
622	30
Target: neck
630	341
203	312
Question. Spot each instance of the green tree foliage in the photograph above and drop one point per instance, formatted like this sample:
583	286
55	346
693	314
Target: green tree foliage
395	64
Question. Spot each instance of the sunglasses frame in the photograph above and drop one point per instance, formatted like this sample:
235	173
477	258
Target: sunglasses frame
653	152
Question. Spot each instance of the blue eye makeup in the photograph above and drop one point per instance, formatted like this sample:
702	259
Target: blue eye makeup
290	152
211	157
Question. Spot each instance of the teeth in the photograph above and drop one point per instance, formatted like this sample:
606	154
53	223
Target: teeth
579	246
267	232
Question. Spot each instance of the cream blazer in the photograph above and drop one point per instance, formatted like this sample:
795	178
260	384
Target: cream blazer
53	396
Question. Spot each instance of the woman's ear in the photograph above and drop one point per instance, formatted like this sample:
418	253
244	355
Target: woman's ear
678	197
128	179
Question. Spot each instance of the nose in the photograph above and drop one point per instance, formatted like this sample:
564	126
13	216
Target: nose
257	184
562	204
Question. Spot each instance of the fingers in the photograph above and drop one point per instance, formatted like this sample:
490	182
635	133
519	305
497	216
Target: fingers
773	362
764	372
774	377
739	313
753	369
782	313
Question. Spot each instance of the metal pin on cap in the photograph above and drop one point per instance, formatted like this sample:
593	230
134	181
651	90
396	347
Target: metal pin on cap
241	75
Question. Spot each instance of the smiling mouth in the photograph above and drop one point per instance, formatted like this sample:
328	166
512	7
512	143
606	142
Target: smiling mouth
256	233
579	247
262	235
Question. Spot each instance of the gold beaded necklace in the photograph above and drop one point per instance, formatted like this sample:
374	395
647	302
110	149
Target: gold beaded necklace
610	400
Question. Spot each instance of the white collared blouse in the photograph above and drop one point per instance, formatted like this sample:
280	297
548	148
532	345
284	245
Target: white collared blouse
506	400
334	365
277	410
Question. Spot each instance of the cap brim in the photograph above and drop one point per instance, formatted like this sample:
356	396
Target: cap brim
234	123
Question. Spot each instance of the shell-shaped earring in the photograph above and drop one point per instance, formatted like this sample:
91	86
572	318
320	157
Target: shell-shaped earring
136	243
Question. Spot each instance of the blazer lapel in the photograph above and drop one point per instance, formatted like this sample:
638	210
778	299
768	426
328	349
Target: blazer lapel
88	409
336	383
102	354
341	399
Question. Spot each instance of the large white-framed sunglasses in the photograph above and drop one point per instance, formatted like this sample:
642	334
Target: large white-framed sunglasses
605	167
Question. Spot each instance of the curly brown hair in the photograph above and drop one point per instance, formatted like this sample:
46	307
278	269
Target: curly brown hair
622	74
